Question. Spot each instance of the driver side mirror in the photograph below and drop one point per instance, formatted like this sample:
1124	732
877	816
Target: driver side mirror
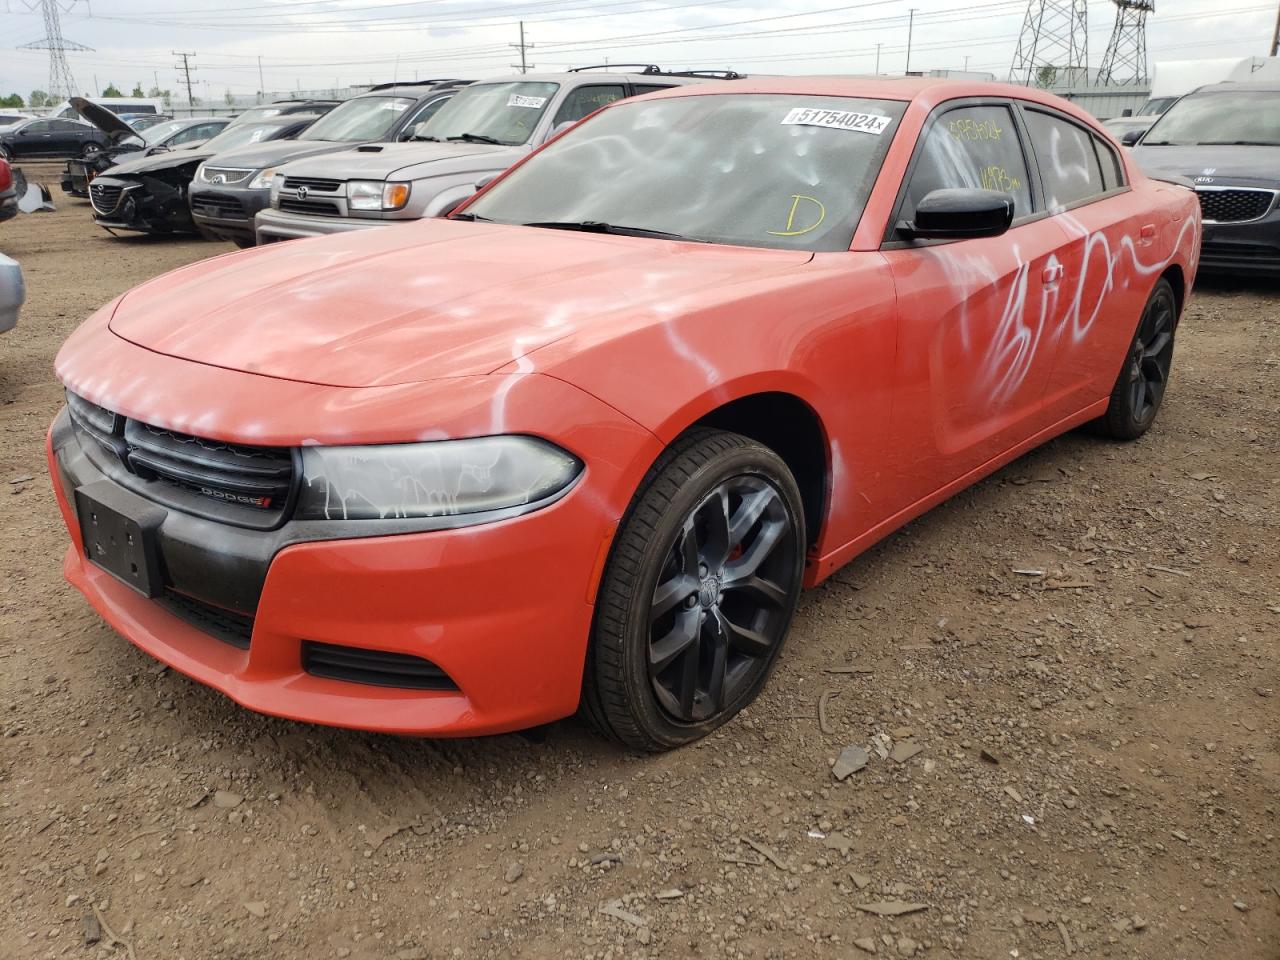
1131	137
960	214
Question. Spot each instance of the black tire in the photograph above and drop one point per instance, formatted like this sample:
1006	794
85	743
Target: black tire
1140	386
244	244
728	506
89	151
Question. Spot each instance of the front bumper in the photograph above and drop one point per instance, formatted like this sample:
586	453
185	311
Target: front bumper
226	213
1251	248
273	225
504	609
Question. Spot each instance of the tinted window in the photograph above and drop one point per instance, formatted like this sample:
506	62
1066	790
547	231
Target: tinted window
40	126
69	126
758	170
971	147
1069	167
578	103
1112	168
639	89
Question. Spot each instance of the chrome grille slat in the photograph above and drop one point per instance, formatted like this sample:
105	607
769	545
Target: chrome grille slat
105	197
1235	204
318	184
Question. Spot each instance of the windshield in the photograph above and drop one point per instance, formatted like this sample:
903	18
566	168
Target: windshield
1229	117
502	112
753	170
256	113
1157	105
241	135
161	131
364	118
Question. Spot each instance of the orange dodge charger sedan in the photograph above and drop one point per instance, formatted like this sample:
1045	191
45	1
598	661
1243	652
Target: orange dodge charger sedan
581	445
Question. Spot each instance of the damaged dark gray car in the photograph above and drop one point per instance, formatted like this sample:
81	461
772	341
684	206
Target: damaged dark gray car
149	194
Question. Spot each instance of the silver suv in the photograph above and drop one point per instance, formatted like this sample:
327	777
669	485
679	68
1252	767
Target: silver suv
484	129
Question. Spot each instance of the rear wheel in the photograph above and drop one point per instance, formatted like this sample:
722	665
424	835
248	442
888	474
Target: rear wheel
698	594
1139	389
90	150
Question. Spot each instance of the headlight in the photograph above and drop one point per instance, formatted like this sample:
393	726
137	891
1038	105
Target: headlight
262	179
442	478
376	195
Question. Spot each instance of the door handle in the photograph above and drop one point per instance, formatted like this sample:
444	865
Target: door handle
1052	274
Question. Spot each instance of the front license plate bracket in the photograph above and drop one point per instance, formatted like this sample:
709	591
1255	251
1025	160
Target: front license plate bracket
119	536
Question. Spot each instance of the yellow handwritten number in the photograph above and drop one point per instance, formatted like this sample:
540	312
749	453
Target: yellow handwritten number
791	230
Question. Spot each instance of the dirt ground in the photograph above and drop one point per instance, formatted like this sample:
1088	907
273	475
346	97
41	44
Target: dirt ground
1098	773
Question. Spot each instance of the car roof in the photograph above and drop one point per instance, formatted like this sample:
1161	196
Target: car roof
1229	86
595	76
417	91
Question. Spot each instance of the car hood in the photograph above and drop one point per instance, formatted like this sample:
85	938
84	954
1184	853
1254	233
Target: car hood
161	161
1218	163
274	152
103	119
408	161
426	300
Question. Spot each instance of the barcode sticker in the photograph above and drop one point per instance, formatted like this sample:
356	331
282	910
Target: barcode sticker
519	100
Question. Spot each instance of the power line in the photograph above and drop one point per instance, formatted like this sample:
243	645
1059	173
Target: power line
61	83
523	65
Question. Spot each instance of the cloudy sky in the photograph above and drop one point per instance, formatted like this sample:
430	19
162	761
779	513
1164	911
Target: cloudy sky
313	44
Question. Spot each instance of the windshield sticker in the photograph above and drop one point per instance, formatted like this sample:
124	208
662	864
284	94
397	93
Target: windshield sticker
838	120
813	210
520	100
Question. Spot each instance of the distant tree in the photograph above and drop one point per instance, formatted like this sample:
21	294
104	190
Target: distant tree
230	98
164	95
137	91
38	98
1047	75
12	100
112	91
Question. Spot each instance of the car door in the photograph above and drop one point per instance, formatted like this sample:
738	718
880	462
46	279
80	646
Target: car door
973	314
69	136
1106	234
34	140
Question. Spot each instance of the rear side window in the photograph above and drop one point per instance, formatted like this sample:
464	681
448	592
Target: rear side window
1069	166
639	89
971	147
1112	168
578	103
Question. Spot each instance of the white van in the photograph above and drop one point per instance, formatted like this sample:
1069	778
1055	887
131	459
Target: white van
116	105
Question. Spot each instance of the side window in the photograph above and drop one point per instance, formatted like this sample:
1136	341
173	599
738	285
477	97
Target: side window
67	126
971	147
578	103
425	113
1069	165
1112	168
638	89
40	126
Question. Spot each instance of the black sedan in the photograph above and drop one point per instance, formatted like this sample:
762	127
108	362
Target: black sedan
52	138
149	193
1225	138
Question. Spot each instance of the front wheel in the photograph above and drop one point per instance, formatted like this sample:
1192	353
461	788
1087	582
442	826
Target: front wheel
90	150
1139	389
698	594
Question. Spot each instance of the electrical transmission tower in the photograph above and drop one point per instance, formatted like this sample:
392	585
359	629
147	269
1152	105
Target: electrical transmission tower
61	83
1125	61
1054	44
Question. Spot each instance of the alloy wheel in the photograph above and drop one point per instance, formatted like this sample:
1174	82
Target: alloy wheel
1151	359
722	602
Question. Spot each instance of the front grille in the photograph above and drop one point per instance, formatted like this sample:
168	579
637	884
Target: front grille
374	667
1258	253
218	206
257	477
105	197
243	485
225	625
220	175
317	208
313	183
1235	205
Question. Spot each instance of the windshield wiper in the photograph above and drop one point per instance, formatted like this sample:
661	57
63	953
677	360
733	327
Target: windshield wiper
1154	143
617	230
476	138
418	139
1238	143
470	216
